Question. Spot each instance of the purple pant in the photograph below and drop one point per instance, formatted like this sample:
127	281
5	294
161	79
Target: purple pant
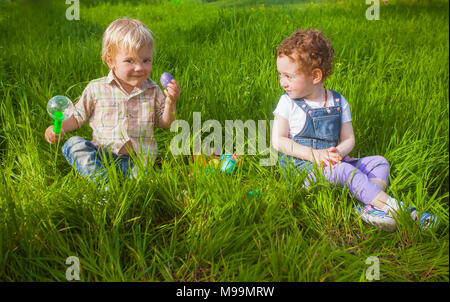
355	173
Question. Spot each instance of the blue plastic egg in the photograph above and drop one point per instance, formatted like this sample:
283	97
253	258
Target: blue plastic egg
229	164
165	79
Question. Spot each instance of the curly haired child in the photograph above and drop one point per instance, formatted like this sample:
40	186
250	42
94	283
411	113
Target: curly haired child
313	124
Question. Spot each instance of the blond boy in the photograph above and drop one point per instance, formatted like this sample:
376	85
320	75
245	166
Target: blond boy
122	108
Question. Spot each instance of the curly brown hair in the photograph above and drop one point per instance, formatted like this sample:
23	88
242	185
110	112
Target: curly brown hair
311	48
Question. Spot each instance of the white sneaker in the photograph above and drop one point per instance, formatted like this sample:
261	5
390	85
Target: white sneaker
376	218
425	221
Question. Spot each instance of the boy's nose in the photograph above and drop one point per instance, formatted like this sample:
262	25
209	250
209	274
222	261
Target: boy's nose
138	67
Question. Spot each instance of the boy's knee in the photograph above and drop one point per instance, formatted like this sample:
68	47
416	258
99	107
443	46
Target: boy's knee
66	148
76	144
70	142
78	148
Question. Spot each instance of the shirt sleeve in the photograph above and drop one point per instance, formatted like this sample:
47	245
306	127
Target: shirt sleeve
283	109
84	106
160	103
346	115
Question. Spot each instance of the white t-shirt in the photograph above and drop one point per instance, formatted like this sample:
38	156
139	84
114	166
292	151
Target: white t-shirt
296	117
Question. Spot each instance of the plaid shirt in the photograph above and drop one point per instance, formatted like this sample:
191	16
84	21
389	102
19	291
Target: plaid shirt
117	118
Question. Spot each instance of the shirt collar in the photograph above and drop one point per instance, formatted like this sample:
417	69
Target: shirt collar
110	78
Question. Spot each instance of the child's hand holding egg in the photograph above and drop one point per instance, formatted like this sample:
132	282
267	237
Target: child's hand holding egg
165	79
171	87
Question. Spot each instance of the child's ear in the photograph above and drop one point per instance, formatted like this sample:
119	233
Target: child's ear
110	62
317	75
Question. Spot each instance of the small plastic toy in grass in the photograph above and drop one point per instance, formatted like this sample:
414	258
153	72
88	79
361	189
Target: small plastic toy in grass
209	162
60	108
165	79
229	162
214	162
254	193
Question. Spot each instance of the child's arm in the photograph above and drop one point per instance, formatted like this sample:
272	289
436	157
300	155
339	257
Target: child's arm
83	109
172	93
282	143
67	125
347	140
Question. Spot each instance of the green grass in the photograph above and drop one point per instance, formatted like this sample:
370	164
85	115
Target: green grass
394	72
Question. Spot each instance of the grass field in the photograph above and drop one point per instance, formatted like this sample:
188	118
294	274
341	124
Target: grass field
393	71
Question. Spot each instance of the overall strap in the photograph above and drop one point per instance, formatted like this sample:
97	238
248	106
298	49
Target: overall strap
302	104
337	98
337	101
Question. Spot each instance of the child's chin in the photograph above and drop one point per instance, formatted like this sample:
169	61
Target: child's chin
292	95
136	83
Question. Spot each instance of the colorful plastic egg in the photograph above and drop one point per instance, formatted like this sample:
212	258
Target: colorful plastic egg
228	163
165	79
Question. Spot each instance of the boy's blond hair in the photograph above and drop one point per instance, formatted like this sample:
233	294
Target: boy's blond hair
129	34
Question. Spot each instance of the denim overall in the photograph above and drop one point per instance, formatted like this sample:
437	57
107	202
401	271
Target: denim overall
321	131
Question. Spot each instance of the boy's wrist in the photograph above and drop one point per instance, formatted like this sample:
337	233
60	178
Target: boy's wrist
170	102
